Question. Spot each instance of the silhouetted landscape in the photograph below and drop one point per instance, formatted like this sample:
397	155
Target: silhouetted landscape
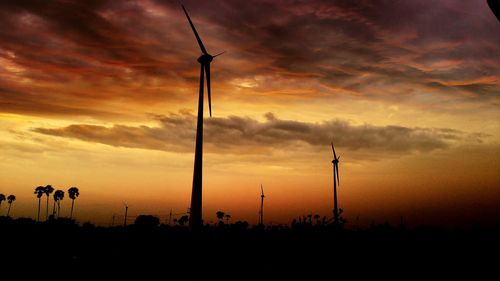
300	247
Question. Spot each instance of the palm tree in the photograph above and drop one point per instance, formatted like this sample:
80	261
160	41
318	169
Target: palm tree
227	216
73	193
10	199
48	189
39	191
58	196
54	206
2	198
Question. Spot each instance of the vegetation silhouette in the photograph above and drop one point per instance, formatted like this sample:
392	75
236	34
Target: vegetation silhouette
2	198
39	191
220	215
48	189
58	197
10	200
147	221
300	246
73	193
183	220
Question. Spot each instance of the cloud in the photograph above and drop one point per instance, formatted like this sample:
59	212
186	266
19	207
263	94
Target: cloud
143	51
243	135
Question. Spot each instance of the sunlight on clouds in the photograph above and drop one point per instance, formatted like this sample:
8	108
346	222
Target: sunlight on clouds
245	82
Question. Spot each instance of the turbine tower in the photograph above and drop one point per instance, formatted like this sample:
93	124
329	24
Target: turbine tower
195	218
336	181
261	213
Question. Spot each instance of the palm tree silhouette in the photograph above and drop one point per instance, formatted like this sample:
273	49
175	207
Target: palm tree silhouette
10	199
39	191
48	189
58	196
2	198
73	193
227	216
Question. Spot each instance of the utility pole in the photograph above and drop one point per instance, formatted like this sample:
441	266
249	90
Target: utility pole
125	220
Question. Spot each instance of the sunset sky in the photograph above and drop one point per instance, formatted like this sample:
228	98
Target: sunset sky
102	95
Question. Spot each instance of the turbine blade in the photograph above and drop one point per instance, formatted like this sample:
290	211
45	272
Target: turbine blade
333	149
219	54
338	177
207	72
195	32
334	173
262	189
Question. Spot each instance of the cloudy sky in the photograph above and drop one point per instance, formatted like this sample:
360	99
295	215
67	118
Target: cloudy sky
103	95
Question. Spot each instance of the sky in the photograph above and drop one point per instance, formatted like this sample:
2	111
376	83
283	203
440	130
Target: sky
102	95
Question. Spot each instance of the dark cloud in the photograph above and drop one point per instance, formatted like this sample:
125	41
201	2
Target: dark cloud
237	135
382	49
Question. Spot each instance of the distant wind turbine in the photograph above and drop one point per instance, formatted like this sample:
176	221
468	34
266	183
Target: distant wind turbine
336	180
261	213
195	218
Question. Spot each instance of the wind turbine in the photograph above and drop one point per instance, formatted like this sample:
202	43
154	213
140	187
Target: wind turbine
336	181
261	213
195	218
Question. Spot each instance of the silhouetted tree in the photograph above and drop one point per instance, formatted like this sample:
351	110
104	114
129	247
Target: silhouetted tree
73	193
39	191
48	189
58	196
241	225
227	216
183	220
2	198
147	221
220	215
10	200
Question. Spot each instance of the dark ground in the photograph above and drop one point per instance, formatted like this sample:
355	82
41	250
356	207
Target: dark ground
302	250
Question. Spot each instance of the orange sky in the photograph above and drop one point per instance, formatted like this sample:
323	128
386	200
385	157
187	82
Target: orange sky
102	95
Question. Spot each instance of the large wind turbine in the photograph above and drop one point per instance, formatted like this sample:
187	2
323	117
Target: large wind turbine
195	215
336	180
261	213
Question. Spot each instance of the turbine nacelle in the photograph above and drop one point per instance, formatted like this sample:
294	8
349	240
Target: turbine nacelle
205	59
